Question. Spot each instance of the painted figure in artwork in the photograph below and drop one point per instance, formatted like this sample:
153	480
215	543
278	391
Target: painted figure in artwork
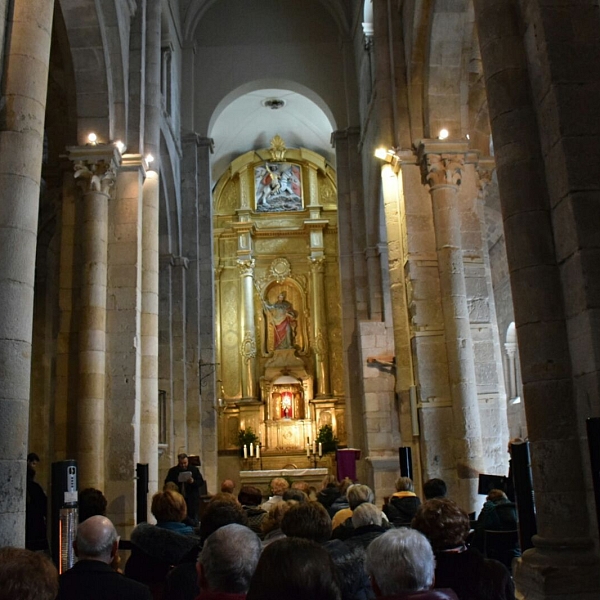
283	318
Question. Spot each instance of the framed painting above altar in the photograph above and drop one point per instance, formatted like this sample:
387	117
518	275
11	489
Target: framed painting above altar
278	187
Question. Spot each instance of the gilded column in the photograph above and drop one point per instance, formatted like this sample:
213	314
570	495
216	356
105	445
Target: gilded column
319	325
25	81
442	164
248	334
95	171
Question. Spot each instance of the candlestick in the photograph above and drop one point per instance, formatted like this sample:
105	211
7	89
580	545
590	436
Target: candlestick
307	451
257	450
245	451
251	449
320	450
314	449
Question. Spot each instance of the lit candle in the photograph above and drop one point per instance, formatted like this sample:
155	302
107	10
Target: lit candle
307	450
245	451
320	450
257	450
251	449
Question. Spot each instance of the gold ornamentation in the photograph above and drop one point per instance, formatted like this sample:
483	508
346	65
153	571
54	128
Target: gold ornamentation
248	347
100	176
246	267
277	149
317	264
229	198
280	269
443	169
326	192
320	343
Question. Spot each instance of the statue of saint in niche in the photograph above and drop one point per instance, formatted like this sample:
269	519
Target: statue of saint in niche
283	318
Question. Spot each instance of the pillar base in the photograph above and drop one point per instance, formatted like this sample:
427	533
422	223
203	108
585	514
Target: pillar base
558	569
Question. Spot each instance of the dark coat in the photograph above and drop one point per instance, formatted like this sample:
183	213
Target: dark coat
401	510
473	577
155	551
190	491
95	580
363	536
339	503
328	495
35	515
425	595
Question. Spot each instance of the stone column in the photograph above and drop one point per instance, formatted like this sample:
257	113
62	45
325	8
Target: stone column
247	329
150	251
95	170
442	163
319	325
531	171
149	330
25	81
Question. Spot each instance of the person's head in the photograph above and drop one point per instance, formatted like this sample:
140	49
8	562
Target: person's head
344	485
249	496
32	460
296	495
91	502
329	481
302	486
273	519
434	488
400	560
223	509
404	484
26	575
278	486
168	507
182	460
227	486
308	520
97	539
294	569
366	514
443	522
171	486
496	496
359	493
228	559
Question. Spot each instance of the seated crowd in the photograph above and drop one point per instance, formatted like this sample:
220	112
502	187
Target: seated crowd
332	544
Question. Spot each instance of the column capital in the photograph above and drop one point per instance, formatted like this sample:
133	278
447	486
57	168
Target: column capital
180	261
246	266
442	161
95	166
317	264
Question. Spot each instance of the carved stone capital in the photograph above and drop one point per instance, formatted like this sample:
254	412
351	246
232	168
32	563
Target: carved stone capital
95	167
180	261
95	177
246	267
443	169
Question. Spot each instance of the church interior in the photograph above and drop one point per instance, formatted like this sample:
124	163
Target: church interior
229	228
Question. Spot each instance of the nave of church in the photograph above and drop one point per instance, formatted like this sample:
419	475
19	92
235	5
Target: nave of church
201	249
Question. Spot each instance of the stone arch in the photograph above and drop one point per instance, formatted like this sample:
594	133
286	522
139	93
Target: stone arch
196	11
98	34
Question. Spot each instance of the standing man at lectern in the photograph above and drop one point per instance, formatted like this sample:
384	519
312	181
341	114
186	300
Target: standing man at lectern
189	481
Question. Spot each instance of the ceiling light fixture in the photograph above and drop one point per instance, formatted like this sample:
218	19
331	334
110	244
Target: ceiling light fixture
273	103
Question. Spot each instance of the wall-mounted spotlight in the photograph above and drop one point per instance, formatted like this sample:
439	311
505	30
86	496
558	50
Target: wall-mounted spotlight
443	134
387	154
92	138
120	146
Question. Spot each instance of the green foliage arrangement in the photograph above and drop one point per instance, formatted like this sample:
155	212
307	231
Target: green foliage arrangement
247	437
327	439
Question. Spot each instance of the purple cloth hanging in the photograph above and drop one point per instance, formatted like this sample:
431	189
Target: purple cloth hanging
346	463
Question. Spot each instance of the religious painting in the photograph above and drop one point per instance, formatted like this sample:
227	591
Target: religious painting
278	187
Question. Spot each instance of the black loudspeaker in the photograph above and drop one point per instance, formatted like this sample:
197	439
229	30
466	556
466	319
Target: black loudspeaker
593	435
63	513
405	454
520	469
141	470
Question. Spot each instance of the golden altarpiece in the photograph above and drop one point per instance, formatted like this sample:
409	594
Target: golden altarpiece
277	281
